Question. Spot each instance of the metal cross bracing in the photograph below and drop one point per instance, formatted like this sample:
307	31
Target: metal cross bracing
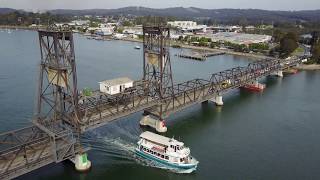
62	113
57	90
156	63
30	148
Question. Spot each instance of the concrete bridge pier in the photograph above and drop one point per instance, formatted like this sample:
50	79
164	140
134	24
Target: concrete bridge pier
218	100
158	125
81	162
278	73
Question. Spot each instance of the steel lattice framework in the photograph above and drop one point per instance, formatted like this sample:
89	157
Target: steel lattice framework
62	114
57	96
156	62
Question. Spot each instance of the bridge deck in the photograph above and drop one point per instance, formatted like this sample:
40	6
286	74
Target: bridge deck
30	148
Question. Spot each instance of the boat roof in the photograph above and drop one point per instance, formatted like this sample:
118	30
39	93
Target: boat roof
159	139
117	81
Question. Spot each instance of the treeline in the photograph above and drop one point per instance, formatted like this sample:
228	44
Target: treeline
28	18
315	48
153	20
287	43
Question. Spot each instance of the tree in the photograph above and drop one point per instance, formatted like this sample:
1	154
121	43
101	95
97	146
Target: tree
292	35
243	22
277	35
287	46
316	53
127	23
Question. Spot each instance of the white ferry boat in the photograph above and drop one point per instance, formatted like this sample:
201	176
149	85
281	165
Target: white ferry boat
166	151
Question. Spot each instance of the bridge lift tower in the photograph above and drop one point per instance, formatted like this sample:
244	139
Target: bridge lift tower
157	71
56	111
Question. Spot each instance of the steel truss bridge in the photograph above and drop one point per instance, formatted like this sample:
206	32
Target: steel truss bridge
55	138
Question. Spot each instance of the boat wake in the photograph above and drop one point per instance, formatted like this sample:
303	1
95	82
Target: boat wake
125	150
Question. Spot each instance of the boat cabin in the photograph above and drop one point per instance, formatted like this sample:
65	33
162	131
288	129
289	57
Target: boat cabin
115	86
163	147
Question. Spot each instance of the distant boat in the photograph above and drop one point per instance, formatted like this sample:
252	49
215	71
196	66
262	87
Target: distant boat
9	31
99	38
137	47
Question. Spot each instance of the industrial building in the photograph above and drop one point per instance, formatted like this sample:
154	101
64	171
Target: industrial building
188	26
239	38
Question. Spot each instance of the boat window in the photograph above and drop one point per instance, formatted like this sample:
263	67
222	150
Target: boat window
167	157
181	159
144	149
158	154
171	146
162	156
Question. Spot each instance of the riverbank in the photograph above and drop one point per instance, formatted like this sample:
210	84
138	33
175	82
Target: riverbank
309	67
251	56
18	27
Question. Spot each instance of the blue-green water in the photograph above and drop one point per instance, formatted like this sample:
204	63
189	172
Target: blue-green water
269	135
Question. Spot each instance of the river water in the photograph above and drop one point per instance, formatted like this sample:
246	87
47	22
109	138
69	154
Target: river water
269	135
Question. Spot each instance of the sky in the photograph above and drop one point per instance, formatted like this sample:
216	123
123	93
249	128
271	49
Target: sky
208	4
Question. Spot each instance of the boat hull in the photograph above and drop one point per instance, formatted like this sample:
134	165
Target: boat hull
173	165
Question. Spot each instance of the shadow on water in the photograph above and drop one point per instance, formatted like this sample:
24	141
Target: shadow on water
197	117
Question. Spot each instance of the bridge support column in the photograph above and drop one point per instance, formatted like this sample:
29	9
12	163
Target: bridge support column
278	73
158	125
81	162
218	100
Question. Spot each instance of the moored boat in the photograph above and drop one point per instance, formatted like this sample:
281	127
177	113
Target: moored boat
167	151
137	47
290	71
255	86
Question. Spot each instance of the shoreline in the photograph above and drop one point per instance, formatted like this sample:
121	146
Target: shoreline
19	27
308	67
253	57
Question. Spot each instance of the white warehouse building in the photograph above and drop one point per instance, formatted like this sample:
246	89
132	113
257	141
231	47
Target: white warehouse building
115	86
183	24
